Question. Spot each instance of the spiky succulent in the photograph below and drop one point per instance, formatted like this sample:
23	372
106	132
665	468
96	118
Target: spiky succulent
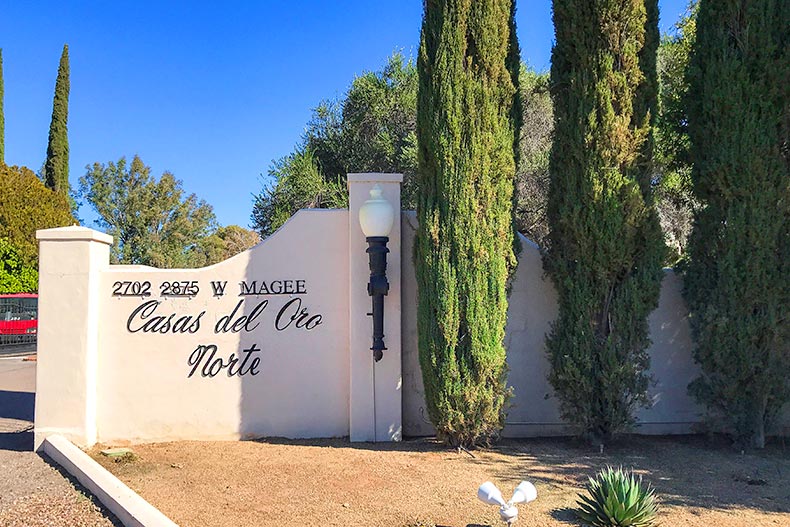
617	498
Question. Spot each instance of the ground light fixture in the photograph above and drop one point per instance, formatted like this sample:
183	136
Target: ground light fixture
376	217
524	493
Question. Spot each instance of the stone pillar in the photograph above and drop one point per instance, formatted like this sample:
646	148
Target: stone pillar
71	260
375	390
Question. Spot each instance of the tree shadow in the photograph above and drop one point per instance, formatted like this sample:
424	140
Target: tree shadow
17	441
686	471
565	515
17	410
17	405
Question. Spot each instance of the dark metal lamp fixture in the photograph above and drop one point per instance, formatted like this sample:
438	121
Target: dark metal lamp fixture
376	217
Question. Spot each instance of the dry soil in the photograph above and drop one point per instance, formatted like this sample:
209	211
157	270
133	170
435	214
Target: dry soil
420	483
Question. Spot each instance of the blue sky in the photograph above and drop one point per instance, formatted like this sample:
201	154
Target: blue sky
210	91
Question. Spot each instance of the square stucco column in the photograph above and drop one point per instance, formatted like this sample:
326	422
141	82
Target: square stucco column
375	391
70	262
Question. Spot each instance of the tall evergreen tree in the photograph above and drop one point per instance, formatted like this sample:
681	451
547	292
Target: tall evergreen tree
2	112
605	246
467	120
738	278
56	169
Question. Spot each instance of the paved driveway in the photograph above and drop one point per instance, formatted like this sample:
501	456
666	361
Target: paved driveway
33	492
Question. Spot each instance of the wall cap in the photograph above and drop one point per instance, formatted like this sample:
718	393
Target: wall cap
374	177
73	233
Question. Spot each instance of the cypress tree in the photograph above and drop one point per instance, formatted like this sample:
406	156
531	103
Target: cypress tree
605	246
466	129
738	277
2	112
56	169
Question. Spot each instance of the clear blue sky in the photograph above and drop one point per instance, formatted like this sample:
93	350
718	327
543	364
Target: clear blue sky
210	91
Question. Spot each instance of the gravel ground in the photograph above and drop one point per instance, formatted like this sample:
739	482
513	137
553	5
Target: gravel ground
276	483
33	492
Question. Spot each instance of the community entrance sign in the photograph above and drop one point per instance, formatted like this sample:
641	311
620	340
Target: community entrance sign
272	342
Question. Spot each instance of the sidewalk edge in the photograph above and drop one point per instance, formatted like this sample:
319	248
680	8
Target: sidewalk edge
128	506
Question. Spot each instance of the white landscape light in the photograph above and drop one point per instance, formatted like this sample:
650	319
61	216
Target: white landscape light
524	493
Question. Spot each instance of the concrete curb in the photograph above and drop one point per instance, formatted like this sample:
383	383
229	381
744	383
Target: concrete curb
127	505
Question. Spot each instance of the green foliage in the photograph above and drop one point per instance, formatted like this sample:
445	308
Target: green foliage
16	276
674	199
532	177
376	126
605	247
152	222
26	205
224	243
298	184
617	498
372	129
2	112
467	123
738	277
56	168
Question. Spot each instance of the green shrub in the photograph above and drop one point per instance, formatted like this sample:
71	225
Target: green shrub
605	248
617	498
467	121
15	275
26	205
738	276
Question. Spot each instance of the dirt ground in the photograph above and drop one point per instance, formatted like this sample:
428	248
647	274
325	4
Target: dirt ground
33	491
271	483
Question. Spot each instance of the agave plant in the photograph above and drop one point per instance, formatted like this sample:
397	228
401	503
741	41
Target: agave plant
617	498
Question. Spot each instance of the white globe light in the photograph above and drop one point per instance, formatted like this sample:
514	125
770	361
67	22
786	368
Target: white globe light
376	215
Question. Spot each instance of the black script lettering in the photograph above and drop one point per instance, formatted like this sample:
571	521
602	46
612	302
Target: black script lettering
196	356
212	365
244	322
218	287
252	368
158	324
152	323
296	314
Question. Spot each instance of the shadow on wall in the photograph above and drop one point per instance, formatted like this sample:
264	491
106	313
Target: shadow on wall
269	356
302	388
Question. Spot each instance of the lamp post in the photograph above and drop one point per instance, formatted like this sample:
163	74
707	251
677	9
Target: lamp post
375	217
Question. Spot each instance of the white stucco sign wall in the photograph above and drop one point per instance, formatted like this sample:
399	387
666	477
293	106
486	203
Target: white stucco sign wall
272	342
253	346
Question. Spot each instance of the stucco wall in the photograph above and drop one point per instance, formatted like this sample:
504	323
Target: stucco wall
299	388
135	354
532	308
272	342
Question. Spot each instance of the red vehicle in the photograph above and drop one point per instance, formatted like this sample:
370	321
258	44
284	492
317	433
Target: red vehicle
18	318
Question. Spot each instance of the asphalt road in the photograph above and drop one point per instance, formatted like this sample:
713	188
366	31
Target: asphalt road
13	350
17	403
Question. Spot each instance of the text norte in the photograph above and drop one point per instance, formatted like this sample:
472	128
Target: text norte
145	318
